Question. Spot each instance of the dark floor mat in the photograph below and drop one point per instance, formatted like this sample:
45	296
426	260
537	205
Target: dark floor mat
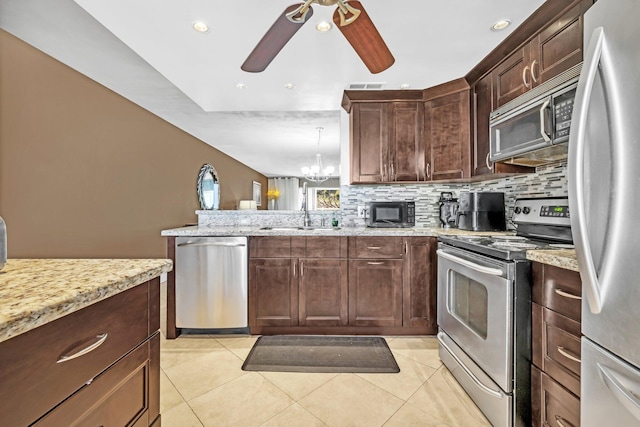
292	353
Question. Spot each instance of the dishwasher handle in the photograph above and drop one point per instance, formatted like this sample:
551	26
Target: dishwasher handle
229	245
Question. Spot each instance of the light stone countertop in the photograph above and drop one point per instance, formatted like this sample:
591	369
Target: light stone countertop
37	291
563	258
196	231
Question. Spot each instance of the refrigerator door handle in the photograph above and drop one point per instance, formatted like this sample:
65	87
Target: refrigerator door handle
626	397
590	280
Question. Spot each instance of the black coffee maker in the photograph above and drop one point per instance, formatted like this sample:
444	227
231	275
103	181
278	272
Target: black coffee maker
448	210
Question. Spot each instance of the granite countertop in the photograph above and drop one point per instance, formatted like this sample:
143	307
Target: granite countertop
563	258
196	231
37	291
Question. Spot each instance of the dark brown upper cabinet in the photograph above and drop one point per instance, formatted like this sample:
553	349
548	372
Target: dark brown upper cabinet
386	135
554	49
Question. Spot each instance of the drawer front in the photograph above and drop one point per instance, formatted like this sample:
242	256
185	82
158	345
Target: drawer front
326	247
561	290
562	350
33	381
270	247
117	397
376	247
551	404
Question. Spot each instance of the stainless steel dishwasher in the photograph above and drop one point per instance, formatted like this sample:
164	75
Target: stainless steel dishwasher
211	282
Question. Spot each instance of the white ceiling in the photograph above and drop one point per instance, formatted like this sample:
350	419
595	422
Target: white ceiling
149	53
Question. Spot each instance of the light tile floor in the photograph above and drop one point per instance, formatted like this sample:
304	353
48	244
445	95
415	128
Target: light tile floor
202	384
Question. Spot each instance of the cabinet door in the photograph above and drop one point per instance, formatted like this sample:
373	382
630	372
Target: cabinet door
559	46
369	142
447	137
323	292
375	292
273	292
407	147
419	287
512	77
551	404
483	106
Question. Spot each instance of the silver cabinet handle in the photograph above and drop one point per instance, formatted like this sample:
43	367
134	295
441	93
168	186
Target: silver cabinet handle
559	420
487	162
575	169
568	354
626	397
471	265
393	175
533	74
294	268
406	247
228	245
100	339
301	268
428	175
497	394
543	120
373	248
524	77
375	262
567	294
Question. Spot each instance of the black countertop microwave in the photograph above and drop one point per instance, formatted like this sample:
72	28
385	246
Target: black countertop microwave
391	214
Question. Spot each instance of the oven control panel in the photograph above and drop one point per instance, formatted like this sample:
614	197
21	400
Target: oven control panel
546	210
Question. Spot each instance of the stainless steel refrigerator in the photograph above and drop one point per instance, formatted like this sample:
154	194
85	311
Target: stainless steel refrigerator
604	199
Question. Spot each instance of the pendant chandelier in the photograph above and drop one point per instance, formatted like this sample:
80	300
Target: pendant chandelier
316	172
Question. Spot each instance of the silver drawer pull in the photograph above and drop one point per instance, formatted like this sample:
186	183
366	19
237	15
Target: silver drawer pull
568	355
567	294
559	420
375	262
373	248
100	339
469	264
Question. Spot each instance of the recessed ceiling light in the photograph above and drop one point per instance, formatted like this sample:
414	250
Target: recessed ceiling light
289	86
405	86
200	27
500	25
241	86
323	26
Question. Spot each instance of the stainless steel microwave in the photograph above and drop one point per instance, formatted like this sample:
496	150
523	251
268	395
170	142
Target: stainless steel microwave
391	214
534	128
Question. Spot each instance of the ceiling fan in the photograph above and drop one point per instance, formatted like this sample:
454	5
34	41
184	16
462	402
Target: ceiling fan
350	17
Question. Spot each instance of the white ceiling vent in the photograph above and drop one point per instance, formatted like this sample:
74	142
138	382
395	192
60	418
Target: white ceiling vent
366	86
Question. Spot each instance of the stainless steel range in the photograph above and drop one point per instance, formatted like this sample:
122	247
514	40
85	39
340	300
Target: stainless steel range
484	307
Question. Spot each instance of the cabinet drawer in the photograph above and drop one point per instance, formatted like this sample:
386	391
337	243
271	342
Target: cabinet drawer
558	289
117	397
325	247
561	346
33	380
551	404
375	247
270	247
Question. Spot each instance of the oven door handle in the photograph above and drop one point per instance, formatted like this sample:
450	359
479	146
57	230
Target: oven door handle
480	268
488	390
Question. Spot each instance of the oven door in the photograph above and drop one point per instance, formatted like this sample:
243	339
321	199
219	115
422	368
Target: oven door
475	306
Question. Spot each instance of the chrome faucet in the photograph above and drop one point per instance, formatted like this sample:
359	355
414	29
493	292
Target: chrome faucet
307	219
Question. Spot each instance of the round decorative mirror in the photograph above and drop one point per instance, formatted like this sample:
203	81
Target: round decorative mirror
208	188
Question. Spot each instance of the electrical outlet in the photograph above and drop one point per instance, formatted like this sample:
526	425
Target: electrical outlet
362	209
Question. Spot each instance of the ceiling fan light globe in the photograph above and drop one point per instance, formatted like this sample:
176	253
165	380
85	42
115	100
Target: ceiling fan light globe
315	169
305	170
329	170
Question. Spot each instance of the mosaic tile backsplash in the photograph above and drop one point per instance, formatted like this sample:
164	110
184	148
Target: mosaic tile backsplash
548	181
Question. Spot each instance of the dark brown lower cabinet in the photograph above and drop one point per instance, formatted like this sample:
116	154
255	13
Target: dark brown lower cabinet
419	283
556	354
375	292
115	384
323	292
551	404
273	292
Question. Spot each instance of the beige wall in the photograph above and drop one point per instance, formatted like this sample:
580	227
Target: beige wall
86	173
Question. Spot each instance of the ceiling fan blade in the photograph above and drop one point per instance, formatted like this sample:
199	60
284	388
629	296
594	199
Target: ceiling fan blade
364	38
274	40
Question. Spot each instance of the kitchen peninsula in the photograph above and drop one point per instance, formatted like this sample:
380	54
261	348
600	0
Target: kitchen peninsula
55	311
